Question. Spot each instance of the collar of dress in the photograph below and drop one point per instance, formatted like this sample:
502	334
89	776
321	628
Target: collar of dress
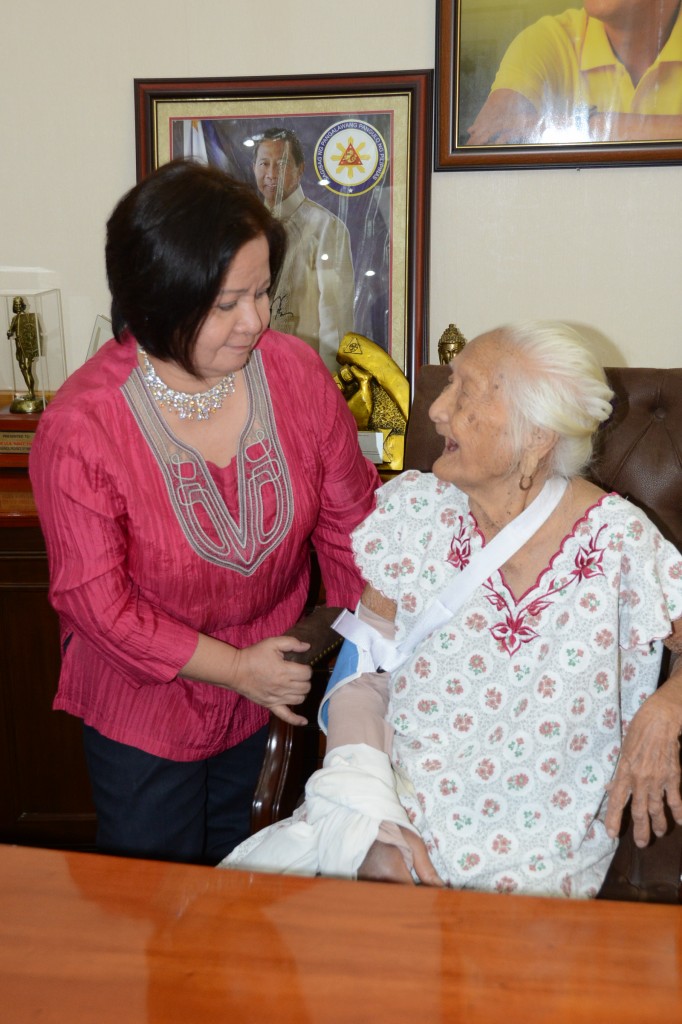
378	652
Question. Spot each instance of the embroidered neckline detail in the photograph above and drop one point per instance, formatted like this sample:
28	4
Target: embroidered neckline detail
243	542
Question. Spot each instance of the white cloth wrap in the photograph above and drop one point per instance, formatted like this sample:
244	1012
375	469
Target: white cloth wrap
345	803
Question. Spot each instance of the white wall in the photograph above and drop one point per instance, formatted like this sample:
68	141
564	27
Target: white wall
597	247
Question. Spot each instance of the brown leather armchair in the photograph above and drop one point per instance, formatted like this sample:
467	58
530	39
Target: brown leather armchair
639	455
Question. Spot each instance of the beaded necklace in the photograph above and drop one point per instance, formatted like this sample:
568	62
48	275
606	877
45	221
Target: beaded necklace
185	405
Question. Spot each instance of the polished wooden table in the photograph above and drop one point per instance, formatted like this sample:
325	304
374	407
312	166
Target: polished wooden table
96	939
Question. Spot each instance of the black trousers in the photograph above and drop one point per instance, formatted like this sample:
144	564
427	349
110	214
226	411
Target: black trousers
152	807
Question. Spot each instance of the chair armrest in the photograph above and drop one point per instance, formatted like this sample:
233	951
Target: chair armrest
652	874
316	630
292	752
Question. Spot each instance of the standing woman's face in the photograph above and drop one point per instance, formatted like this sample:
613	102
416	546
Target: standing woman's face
239	316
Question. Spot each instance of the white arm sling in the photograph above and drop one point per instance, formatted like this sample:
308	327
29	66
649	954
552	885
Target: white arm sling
389	655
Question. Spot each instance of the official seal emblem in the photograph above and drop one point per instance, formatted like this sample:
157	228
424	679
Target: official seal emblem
350	158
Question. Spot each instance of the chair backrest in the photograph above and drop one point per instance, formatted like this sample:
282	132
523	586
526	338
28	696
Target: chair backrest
638	453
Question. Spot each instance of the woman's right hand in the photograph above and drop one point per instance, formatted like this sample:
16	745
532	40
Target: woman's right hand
259	672
262	674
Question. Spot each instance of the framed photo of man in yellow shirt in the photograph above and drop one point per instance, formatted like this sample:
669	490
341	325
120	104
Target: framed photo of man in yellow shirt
558	82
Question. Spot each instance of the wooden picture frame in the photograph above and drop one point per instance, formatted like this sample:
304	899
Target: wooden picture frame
384	207
472	37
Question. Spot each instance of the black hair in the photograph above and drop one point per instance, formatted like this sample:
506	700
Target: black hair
170	241
281	135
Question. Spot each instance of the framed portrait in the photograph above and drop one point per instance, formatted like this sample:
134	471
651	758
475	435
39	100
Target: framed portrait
356	151
557	83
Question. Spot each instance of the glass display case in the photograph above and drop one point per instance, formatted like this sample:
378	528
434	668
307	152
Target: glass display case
32	355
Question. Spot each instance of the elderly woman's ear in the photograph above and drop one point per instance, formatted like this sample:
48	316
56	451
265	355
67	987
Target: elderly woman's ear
541	441
537	448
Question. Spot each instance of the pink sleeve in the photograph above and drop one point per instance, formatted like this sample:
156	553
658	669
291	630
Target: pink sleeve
84	524
347	497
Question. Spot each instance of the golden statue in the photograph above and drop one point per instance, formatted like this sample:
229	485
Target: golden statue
24	329
451	343
377	392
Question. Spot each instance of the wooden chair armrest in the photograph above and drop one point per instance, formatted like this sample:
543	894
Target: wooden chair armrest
292	752
316	630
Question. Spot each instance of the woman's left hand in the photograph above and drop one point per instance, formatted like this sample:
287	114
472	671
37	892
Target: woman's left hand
649	765
385	862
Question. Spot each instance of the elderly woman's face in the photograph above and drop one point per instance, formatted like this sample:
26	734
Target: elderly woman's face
471	415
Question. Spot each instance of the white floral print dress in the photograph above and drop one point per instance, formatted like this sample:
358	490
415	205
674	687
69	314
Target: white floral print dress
508	722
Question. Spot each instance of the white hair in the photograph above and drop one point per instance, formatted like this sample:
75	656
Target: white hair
557	384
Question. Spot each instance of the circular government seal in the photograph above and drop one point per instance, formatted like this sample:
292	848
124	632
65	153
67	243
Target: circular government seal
350	158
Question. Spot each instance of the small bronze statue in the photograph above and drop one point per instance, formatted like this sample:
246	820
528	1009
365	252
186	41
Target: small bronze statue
451	343
24	329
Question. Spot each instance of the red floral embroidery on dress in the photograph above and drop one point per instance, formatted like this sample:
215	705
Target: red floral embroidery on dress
460	547
511	633
588	560
515	630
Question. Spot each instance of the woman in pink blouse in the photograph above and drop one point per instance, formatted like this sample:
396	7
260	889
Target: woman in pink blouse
181	475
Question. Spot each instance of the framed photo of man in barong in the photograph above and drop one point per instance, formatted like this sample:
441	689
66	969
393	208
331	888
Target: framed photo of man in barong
557	83
345	162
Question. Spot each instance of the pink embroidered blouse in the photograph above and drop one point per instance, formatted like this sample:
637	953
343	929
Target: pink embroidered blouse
149	545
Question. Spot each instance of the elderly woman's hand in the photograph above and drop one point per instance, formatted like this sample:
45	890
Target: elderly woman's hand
386	863
649	765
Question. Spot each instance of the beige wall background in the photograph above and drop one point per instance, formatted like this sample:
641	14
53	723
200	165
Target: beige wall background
596	247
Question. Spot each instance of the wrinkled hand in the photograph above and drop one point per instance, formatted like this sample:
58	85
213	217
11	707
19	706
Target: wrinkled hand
385	863
506	118
263	675
649	767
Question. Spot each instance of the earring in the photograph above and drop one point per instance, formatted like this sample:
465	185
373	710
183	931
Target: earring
525	486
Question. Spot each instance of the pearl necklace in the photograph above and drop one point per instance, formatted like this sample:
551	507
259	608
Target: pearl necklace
186	406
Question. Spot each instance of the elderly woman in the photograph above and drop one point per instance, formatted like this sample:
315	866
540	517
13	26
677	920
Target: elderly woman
528	609
181	476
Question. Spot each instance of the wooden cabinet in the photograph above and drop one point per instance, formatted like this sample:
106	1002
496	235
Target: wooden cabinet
44	790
